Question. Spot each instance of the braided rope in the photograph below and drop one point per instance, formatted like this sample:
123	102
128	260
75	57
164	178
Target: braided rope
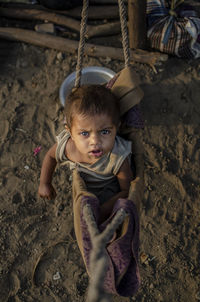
84	17
124	30
98	258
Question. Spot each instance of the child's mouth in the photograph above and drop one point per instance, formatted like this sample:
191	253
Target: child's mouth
96	153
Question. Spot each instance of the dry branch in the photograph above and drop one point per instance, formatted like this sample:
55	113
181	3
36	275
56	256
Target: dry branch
30	14
106	1
66	45
35	14
103	1
104	29
96	12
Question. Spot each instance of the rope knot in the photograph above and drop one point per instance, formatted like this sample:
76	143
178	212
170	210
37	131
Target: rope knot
172	13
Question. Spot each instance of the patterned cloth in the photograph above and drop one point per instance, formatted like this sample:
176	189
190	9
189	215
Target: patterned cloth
133	118
173	28
122	277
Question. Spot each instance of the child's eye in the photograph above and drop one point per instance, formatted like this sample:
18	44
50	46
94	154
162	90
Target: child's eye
84	133
105	131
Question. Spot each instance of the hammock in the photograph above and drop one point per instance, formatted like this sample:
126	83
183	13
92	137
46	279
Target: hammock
110	250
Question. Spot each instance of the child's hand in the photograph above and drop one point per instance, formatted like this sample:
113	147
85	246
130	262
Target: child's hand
47	191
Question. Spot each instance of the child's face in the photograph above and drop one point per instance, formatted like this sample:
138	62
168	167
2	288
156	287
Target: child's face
93	136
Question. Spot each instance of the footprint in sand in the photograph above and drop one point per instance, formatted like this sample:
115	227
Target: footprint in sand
50	266
57	267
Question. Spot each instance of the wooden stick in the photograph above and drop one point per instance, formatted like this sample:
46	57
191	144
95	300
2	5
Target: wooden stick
137	23
30	14
96	12
67	45
104	29
106	1
103	1
35	14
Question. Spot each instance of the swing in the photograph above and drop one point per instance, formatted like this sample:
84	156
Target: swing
107	257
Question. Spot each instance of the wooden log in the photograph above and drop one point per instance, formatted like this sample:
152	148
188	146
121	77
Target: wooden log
30	14
66	45
34	14
104	29
103	1
106	1
137	23
96	12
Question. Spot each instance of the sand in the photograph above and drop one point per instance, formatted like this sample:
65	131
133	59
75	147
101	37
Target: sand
39	257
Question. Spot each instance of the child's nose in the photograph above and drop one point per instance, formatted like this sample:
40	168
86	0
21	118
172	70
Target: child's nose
94	139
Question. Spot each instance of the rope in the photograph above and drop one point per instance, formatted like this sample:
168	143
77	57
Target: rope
174	5
124	30
98	258
125	40
84	17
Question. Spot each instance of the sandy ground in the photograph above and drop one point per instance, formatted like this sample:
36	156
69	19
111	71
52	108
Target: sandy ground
39	257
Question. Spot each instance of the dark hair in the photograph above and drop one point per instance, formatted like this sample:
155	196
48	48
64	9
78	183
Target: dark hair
91	100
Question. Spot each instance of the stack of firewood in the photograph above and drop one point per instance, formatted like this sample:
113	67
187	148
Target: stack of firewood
103	21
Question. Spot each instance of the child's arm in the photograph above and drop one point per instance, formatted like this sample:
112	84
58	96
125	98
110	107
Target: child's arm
46	190
124	176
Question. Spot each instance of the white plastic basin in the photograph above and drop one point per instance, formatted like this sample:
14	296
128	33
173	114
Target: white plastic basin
90	75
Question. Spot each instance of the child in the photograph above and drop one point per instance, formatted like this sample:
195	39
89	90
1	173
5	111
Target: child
90	144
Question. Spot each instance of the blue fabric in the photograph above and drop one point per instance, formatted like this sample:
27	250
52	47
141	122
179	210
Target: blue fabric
173	31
